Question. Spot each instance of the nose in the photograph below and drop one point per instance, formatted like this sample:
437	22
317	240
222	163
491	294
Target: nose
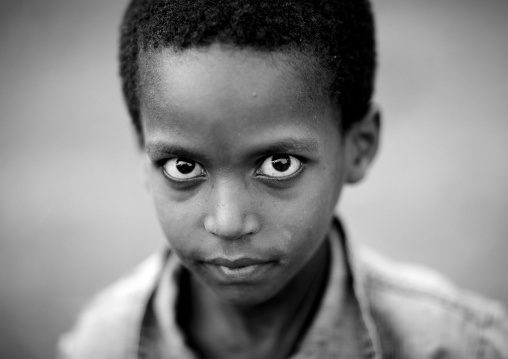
230	211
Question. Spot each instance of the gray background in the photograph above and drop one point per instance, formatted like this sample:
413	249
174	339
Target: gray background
73	212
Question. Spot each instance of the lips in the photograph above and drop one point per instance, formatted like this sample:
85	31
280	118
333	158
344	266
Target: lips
241	270
236	263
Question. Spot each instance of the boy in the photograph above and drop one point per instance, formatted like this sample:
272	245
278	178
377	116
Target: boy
253	115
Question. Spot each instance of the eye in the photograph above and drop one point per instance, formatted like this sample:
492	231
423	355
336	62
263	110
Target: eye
181	169
279	166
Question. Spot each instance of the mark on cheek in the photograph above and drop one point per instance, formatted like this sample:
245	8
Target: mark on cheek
286	235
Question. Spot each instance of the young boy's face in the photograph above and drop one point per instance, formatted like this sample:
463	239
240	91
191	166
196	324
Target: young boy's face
246	164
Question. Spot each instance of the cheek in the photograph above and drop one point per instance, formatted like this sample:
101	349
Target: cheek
315	203
300	224
179	220
314	207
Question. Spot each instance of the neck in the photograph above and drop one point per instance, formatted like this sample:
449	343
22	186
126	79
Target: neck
277	322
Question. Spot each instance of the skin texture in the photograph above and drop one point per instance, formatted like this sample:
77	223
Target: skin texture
225	112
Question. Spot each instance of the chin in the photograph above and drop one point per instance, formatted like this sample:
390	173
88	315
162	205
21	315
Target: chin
245	296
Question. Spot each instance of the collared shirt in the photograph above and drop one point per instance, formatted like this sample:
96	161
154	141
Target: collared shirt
371	308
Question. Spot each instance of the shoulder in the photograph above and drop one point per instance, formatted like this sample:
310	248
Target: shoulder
109	325
420	314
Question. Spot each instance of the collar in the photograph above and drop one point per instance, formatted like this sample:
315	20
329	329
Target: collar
358	275
343	325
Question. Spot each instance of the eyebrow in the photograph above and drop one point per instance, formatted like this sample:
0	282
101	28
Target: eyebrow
160	149
287	145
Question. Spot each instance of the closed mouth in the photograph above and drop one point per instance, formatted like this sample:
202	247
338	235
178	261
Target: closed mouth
240	271
237	263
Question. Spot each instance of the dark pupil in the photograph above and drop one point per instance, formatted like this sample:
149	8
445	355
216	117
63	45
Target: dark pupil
185	166
281	162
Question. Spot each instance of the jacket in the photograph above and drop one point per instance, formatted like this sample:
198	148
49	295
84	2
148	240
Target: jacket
383	309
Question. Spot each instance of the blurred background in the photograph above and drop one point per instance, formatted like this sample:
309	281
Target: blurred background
73	212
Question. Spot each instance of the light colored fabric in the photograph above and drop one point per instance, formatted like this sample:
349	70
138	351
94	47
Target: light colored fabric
109	327
382	309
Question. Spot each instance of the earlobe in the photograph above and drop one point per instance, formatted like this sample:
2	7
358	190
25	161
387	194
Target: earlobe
363	143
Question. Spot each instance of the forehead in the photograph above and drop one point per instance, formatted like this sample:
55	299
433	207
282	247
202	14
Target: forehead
216	89
233	72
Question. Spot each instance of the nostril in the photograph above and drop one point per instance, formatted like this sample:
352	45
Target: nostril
252	224
232	227
210	225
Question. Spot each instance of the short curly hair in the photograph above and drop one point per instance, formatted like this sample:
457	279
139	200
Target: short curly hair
339	34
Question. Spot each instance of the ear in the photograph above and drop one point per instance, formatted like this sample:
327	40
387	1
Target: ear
362	142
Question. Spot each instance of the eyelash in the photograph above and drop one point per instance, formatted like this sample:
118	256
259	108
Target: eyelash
161	163
282	178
